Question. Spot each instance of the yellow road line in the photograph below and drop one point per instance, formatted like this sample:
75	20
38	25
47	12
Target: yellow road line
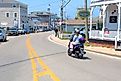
34	70
40	74
35	78
36	74
52	75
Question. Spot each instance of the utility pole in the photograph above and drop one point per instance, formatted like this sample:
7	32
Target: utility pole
63	5
48	9
86	22
61	21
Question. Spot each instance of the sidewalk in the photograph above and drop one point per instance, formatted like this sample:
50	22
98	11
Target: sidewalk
101	50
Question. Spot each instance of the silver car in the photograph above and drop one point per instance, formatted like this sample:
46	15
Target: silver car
2	35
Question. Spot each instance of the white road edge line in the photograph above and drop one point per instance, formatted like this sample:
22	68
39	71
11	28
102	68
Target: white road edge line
49	38
113	57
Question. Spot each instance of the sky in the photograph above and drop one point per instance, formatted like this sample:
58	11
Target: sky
42	5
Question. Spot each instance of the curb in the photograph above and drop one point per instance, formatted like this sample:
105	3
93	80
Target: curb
51	39
100	53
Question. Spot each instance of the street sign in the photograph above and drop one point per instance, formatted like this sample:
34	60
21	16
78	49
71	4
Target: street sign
83	13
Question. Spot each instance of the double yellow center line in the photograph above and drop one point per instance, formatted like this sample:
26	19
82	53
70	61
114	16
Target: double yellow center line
34	59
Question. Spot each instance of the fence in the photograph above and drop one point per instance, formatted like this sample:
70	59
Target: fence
110	35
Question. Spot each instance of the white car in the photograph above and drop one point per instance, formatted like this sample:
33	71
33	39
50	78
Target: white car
21	31
2	35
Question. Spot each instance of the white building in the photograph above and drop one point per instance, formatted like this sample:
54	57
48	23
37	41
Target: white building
13	14
39	19
109	20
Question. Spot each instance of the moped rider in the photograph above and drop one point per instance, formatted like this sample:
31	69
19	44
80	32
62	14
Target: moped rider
76	39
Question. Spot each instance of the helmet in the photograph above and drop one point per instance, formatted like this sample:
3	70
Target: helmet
77	30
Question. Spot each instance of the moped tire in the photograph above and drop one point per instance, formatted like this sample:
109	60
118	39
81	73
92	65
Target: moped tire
69	52
81	56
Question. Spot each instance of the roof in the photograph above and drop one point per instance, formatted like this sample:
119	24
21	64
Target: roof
103	2
42	24
76	22
6	1
39	13
13	1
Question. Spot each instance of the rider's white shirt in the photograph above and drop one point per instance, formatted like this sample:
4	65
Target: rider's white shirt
76	39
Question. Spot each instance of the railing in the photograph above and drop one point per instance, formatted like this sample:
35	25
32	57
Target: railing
95	1
111	34
120	35
98	34
117	44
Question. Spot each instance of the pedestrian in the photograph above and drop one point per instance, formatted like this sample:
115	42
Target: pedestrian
56	32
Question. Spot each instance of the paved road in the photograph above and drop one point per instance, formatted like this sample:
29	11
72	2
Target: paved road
35	58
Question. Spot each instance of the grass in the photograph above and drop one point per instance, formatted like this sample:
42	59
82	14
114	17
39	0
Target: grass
67	32
87	44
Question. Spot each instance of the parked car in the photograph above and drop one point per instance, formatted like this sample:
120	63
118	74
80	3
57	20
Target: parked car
2	35
27	31
21	31
12	31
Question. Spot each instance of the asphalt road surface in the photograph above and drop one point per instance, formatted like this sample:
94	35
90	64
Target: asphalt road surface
34	58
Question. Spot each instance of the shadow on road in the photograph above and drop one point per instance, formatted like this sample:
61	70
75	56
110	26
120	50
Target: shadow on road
4	41
48	55
21	61
84	58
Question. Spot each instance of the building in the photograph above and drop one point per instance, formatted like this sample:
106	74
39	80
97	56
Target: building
13	14
109	21
39	19
70	25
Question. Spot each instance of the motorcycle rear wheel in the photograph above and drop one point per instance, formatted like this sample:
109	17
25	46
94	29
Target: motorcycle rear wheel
81	56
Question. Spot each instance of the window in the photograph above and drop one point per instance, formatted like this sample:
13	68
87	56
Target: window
7	14
15	14
113	19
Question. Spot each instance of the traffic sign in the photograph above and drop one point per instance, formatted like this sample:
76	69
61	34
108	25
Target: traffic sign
83	13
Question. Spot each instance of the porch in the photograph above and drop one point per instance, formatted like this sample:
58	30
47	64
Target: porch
110	35
108	21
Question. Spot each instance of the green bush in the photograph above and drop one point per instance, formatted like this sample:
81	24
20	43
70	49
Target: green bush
87	44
